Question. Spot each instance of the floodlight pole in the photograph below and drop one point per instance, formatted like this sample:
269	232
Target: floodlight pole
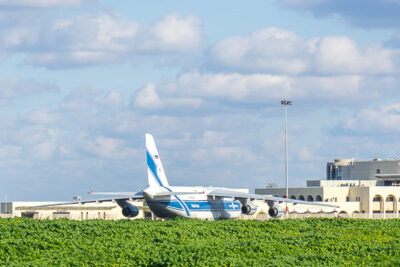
285	103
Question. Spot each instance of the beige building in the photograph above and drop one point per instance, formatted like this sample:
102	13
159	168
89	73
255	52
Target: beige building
375	194
105	210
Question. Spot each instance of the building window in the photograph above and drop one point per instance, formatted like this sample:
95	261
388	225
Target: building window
378	170
377	199
347	198
390	198
339	173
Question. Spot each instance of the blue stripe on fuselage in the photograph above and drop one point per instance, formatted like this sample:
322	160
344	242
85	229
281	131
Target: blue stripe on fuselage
203	206
180	201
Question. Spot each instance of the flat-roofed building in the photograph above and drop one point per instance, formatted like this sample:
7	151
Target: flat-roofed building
357	187
105	210
376	169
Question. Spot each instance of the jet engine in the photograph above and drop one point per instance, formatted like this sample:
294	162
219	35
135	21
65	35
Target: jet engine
249	208
128	210
276	211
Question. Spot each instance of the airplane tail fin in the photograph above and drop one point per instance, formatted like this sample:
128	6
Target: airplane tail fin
155	170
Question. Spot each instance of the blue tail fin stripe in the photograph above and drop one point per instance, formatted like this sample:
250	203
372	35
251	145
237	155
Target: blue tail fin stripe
152	167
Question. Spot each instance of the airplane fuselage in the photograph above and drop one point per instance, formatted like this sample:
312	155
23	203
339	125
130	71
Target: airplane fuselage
197	205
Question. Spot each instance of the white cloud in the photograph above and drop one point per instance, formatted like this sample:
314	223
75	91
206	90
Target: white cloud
148	98
14	88
232	86
240	155
103	146
111	99
87	98
279	51
214	92
337	54
384	119
104	38
267	50
10	152
44	151
309	153
171	34
41	3
42	116
80	99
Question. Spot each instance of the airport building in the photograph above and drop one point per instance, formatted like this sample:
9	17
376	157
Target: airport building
386	172
360	188
105	210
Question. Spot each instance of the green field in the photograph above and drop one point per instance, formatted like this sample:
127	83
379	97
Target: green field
192	242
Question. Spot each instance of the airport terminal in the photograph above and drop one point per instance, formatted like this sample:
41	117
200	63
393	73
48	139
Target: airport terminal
367	189
362	189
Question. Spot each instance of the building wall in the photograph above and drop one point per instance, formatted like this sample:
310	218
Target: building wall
105	210
363	197
294	193
350	169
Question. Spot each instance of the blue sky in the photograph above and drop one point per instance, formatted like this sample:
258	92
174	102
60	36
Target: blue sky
82	81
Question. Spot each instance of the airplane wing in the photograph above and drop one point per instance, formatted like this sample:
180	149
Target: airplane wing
240	195
137	195
113	193
157	194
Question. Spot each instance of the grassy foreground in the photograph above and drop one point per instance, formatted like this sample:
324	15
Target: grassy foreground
192	242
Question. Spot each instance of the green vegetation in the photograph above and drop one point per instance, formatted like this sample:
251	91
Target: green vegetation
192	242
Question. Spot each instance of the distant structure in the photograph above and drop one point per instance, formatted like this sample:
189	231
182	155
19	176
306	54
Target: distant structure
386	171
362	189
104	211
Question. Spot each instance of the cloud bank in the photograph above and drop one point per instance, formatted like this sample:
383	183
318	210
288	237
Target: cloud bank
98	39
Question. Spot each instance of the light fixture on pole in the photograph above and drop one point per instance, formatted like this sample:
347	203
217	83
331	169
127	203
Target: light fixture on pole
285	103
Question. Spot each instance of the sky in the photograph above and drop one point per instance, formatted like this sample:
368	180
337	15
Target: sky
82	81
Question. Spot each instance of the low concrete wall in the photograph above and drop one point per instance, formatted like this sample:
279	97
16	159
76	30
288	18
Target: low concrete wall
337	215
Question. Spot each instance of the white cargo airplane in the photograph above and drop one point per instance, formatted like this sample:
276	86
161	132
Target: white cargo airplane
199	202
